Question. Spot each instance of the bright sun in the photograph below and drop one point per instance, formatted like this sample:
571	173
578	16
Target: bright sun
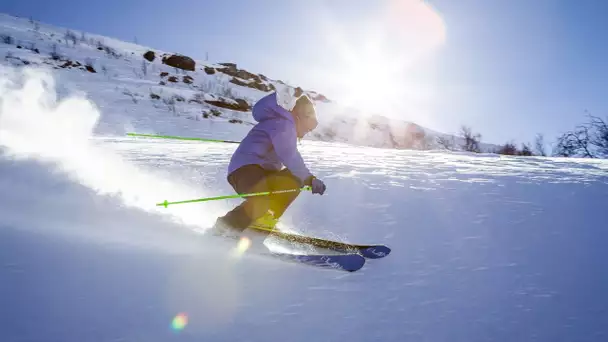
380	68
370	81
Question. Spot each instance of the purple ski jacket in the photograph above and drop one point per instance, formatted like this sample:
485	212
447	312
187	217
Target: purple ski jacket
272	143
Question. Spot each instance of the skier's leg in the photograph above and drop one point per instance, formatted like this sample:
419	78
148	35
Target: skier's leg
248	179
282	180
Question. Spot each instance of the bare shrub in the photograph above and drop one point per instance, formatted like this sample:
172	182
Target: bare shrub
70	37
446	143
218	88
539	145
589	140
170	103
525	150
471	140
55	53
508	149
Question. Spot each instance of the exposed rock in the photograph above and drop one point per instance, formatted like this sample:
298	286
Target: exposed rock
232	70
187	79
154	96
172	79
180	62
240	105
236	81
255	84
209	70
243	104
235	121
164	74
261	86
70	64
150	56
90	68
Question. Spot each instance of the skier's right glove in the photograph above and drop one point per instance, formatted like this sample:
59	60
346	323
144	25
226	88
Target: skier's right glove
317	185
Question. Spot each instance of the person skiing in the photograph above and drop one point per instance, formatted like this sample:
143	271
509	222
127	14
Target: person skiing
267	159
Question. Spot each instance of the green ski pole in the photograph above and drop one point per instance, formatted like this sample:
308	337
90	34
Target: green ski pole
167	203
180	138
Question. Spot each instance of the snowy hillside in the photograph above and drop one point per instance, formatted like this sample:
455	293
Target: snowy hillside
174	94
484	247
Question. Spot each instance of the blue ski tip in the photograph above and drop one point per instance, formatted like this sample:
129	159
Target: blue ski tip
346	262
375	252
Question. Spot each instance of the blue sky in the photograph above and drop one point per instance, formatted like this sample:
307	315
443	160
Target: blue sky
509	69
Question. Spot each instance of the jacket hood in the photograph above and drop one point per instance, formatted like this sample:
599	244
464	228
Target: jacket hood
268	107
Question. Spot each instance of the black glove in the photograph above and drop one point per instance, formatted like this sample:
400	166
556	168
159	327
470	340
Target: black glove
317	185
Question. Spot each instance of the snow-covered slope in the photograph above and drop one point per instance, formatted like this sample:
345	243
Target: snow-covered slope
485	247
197	97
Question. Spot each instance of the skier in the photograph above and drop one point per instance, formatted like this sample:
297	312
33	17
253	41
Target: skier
267	159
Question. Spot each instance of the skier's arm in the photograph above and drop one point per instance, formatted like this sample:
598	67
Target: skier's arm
284	141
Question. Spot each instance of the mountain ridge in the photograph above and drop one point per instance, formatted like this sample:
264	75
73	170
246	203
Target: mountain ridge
195	89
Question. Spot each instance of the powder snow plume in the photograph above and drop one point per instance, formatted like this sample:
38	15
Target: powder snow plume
35	124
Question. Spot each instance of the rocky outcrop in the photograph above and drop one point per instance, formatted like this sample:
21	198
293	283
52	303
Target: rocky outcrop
75	64
180	62
69	64
150	56
238	82
261	86
240	105
232	70
253	84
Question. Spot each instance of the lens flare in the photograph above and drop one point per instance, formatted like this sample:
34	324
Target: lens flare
179	322
243	245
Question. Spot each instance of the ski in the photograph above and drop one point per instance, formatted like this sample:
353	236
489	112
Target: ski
372	251
255	245
347	262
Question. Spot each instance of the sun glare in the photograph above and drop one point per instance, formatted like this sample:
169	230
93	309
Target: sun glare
369	79
385	65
